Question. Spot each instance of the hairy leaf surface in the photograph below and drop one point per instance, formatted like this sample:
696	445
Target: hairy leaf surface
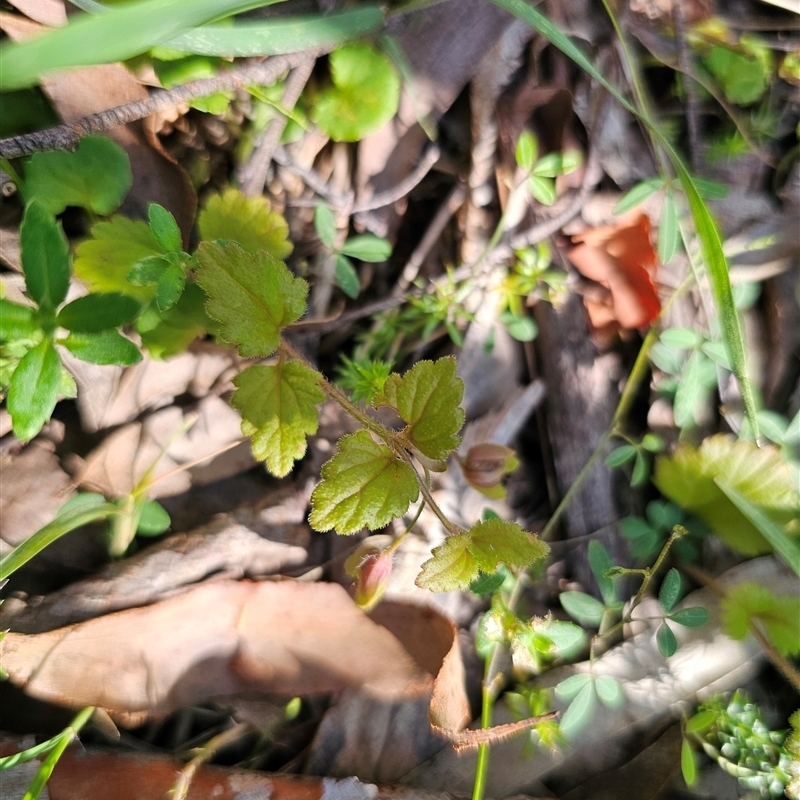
427	398
363	485
279	409
251	296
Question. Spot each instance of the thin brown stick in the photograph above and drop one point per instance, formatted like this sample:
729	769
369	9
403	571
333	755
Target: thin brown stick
67	136
254	172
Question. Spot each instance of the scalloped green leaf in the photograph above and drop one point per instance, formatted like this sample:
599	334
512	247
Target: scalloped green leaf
96	176
363	485
104	261
457	562
249	221
170	332
365	94
779	615
759	474
427	398
279	409
252	296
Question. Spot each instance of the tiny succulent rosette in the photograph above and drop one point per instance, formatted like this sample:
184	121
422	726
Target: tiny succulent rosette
485	466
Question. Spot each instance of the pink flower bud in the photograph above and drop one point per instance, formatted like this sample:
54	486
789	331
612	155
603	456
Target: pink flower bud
372	577
485	466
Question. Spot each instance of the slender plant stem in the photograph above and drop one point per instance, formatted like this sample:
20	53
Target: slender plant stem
487	706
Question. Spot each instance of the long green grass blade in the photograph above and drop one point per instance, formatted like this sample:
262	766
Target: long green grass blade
61	525
786	547
707	233
119	34
279	36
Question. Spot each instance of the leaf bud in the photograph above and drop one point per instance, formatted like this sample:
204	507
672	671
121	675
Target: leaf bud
485	466
372	577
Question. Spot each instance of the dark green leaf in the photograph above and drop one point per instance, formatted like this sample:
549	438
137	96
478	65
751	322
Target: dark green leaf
600	563
104	347
45	257
641	470
165	229
667	643
346	276
487	584
96	176
670	590
148	270
33	390
692	617
153	519
367	248
17	321
664	515
621	455
97	312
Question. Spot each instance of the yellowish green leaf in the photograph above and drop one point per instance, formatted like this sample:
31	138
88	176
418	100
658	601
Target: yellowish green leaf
279	409
427	398
252	296
363	485
249	221
451	566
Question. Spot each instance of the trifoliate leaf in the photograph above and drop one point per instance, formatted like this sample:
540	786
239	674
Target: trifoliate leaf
165	229
170	286
779	615
572	686
583	607
670	590
249	221
665	638
427	398
363	485
33	391
96	176
279	409
365	94
457	562
610	692
105	347
97	312
104	261
692	617
45	257
759	474
252	296
580	711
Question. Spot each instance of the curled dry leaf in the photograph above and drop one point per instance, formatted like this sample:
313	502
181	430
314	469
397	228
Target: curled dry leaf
622	259
225	638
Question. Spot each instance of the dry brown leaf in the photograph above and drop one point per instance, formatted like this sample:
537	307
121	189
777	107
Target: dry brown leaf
220	639
621	258
46	12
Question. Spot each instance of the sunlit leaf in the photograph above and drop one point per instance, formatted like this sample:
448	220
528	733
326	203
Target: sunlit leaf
526	151
170	332
572	686
582	607
427	398
279	409
609	691
98	312
96	176
252	296
451	566
689	478
579	712
542	189
153	519
249	221
688	763
779	615
17	321
363	485
165	229
103	347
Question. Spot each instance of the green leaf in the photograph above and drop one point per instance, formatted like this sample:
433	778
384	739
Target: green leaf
252	296
451	566
363	485
148	271
120	33
523	329
45	257
104	347
600	563
681	338
744	76
104	261
279	409
277	36
346	276
572	686
96	176
610	692
170	286
542	189
249	221
17	321
701	721
170	332
165	229
669	233
364	96
688	763
779	615
788	549
367	248
579	712
696	383
583	607
641	470
554	164
665	638
670	590
621	455
97	312
325	225
653	443
692	617
487	584
568	639
637	195
526	151
710	190
427	398
664	515
689	476
153	519
33	390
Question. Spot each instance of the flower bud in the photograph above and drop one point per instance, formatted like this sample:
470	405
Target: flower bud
485	466
372	577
